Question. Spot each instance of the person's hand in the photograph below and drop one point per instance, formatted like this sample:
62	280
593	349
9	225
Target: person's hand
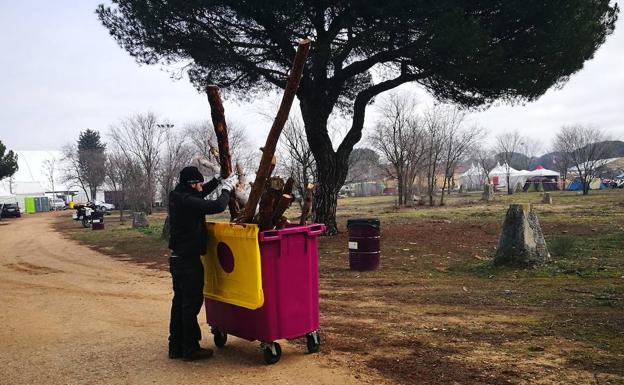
229	182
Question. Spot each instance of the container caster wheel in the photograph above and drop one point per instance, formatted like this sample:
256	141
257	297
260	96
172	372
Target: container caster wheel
219	337
272	352
313	341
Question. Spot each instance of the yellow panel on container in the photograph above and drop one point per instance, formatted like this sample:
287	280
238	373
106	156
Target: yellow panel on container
232	266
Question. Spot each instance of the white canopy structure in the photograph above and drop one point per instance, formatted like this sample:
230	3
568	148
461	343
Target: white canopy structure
541	171
498	176
473	178
32	178
6	197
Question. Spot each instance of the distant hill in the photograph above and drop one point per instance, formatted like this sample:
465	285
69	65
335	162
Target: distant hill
546	160
520	161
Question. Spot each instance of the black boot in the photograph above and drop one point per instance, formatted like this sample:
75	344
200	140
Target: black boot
197	354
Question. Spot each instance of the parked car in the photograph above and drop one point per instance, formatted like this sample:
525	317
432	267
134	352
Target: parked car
11	210
103	206
57	204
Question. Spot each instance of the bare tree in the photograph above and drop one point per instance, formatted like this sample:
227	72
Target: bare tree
203	142
140	138
459	142
562	164
176	155
364	166
485	160
437	122
399	137
126	177
48	168
585	148
72	170
297	160
530	148
507	145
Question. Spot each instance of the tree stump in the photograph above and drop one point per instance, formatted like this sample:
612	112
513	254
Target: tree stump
139	219
461	189
547	199
488	193
521	241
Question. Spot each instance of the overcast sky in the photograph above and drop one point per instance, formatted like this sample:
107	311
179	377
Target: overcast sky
60	73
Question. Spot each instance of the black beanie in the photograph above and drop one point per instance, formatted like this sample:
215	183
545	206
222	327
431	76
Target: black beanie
191	174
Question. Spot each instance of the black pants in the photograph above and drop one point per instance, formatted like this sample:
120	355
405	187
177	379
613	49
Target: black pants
187	274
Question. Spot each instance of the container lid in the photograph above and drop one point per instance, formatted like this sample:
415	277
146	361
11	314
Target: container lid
373	222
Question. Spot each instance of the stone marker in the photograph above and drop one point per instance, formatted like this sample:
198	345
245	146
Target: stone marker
461	189
139	219
519	187
547	198
521	242
488	193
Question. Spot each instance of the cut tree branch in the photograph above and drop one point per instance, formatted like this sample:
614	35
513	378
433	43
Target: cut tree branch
276	129
220	127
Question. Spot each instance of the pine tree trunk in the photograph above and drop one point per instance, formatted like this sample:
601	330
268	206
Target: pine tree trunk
325	204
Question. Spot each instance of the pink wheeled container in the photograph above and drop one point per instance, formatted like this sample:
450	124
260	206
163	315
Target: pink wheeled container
286	306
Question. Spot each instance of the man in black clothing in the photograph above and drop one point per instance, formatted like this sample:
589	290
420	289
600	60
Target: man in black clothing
188	238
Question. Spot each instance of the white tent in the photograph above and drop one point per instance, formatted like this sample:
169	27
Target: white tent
541	171
473	178
498	176
6	197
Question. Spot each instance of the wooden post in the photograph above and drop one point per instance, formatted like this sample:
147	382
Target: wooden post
276	129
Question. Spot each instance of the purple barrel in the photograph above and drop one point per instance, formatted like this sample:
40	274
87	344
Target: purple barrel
364	244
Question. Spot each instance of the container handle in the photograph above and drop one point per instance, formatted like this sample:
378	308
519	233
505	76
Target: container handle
269	235
316	229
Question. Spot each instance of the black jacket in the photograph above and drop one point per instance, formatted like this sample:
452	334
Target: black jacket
187	210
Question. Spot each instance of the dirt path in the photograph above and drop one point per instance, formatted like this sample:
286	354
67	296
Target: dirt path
71	315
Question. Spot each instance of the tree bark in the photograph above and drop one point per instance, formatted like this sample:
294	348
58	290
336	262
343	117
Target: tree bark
217	114
218	122
275	131
401	190
281	206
